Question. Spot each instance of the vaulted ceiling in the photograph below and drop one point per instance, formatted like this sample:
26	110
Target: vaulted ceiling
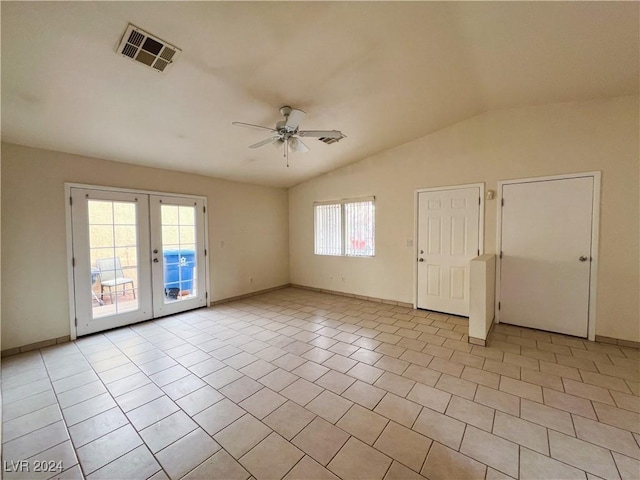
383	73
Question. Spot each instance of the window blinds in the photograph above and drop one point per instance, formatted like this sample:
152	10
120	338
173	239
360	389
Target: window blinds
359	223
345	228
328	233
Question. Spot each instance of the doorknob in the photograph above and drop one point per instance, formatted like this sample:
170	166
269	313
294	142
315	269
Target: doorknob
155	250
583	258
421	259
155	260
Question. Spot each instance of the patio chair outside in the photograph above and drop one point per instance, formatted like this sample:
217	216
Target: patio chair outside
112	275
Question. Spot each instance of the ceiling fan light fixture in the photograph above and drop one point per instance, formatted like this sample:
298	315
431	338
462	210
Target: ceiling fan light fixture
287	133
297	145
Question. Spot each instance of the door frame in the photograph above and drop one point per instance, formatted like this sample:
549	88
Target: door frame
416	214
69	239
595	237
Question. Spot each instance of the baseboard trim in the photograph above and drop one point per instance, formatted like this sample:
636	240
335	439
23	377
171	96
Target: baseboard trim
34	346
353	295
482	342
617	341
248	295
474	341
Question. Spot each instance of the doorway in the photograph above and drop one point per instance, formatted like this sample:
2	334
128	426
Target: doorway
449	233
548	229
135	256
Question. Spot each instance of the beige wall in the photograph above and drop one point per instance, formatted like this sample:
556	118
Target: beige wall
248	234
507	144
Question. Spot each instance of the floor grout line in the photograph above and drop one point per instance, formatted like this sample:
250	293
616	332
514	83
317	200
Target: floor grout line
179	332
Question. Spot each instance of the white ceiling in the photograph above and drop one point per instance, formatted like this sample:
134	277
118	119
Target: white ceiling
383	73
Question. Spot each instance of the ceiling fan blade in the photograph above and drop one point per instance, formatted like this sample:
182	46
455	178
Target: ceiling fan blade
294	119
298	145
321	133
265	142
251	125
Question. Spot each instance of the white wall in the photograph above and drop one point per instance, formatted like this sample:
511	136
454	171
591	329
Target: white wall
507	144
252	221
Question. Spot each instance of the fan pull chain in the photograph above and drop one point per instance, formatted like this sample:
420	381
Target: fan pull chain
286	150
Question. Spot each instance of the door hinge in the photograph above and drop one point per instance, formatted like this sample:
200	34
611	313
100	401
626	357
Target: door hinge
478	252
502	202
479	200
73	262
500	254
205	252
70	200
499	305
204	209
76	321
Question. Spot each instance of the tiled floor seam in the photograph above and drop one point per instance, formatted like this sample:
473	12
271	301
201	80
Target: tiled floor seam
107	433
424	461
198	465
64	422
282	327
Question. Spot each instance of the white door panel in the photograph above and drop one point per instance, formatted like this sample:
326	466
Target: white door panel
177	238
546	229
110	228
448	238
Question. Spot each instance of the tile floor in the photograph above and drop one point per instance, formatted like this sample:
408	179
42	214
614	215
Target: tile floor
303	385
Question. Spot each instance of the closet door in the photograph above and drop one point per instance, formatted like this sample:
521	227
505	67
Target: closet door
546	254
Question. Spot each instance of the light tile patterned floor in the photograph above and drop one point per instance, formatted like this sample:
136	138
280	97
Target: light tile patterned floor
297	384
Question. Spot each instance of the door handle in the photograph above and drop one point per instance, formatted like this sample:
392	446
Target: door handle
155	260
583	258
421	259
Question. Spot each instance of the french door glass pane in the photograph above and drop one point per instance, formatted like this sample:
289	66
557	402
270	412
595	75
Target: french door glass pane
113	248
180	252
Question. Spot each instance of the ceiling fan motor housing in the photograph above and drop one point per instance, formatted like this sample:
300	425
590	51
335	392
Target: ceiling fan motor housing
285	111
282	128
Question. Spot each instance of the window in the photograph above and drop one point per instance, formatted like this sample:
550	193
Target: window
345	228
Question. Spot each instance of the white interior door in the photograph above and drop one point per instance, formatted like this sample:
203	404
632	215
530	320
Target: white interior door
136	256
178	255
546	254
448	238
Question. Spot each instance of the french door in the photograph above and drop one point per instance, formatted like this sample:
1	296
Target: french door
136	256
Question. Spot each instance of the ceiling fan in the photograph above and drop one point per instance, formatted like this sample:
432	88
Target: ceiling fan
287	134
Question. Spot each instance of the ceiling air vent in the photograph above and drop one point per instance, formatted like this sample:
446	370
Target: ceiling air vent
330	140
138	45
